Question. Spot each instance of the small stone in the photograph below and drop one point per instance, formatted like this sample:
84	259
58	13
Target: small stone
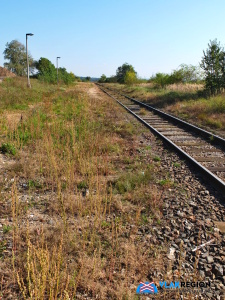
202	273
180	214
171	255
208	272
123	271
218	270
191	203
51	222
210	259
192	218
204	255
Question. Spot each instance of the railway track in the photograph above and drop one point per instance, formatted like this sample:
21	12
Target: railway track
201	148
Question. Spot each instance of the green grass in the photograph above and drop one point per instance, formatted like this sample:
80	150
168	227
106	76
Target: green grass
130	180
209	112
156	158
6	228
2	247
34	184
8	148
166	182
176	165
82	185
216	105
14	94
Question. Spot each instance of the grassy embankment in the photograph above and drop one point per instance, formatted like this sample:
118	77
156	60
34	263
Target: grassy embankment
74	194
184	100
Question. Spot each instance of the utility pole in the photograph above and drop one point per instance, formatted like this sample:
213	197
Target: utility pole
57	58
28	72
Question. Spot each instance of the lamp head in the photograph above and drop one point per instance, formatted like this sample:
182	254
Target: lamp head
30	34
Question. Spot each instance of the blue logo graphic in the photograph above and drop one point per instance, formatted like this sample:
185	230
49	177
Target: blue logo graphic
146	288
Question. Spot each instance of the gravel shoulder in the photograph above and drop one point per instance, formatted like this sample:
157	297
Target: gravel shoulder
193	214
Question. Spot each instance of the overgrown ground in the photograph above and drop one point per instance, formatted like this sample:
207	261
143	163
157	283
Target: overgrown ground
85	195
184	100
78	186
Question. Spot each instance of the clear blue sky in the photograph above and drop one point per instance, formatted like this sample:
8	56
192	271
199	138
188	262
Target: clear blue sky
96	36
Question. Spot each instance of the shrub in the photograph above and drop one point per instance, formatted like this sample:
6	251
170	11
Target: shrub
130	78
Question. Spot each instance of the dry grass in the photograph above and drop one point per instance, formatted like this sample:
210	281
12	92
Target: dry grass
206	112
159	97
190	87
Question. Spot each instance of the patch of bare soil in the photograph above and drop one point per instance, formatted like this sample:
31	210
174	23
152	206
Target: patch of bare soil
13	119
93	91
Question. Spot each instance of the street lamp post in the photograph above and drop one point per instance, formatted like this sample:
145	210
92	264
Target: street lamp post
57	58
28	75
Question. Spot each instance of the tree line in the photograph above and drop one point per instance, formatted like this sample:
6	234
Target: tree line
43	69
126	74
211	72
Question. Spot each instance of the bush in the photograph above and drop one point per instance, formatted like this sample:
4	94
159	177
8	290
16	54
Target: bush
161	79
130	78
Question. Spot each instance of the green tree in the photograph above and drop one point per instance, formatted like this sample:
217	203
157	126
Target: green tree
66	77
102	79
191	73
74	77
130	78
46	71
15	53
175	77
213	63
111	79
121	72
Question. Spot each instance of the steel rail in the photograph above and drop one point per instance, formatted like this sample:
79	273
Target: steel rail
209	176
